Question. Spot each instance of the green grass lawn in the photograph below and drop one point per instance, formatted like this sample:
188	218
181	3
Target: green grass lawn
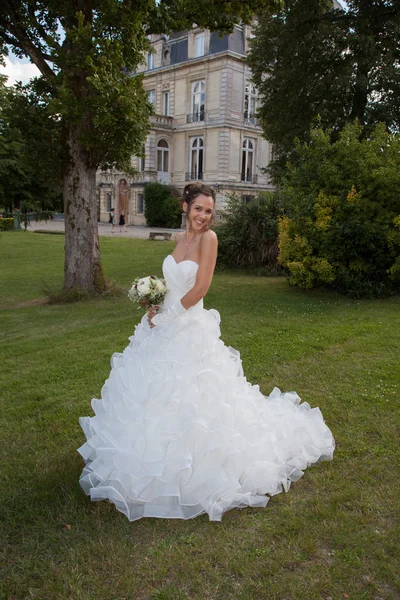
333	536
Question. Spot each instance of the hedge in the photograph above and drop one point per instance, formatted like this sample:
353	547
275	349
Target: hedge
161	206
6	224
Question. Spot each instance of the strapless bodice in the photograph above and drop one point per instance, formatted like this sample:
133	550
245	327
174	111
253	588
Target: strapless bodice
180	278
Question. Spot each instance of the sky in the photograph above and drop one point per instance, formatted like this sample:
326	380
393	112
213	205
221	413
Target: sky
18	70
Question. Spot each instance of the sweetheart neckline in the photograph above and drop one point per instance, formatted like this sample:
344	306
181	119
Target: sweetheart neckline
182	261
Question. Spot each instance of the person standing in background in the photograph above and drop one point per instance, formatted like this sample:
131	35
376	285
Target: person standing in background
111	219
122	226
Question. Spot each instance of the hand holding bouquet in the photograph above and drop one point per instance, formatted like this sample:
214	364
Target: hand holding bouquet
148	291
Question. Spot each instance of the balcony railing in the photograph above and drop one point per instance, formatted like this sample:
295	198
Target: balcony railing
251	120
194	176
249	178
145	176
162	121
195	117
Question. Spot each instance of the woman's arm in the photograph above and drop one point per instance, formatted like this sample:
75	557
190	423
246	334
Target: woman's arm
208	259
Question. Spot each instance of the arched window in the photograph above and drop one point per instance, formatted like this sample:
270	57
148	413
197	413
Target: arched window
198	100
196	158
250	102
247	160
163	156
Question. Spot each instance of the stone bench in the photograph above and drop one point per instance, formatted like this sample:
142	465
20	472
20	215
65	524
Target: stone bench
164	234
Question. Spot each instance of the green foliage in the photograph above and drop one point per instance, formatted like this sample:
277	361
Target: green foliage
90	84
14	174
88	55
30	165
40	133
161	206
248	233
316	64
342	226
40	215
176	15
6	224
22	217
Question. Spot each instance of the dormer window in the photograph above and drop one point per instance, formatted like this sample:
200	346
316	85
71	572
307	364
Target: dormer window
199	44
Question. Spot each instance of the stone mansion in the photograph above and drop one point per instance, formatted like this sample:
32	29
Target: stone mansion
204	126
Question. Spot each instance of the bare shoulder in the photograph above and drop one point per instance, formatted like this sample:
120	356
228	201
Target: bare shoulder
209	246
209	238
179	236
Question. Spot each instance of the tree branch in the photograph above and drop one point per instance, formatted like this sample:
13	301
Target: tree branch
25	43
40	29
10	41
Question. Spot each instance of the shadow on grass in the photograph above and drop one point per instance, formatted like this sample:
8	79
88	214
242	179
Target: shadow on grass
57	296
55	499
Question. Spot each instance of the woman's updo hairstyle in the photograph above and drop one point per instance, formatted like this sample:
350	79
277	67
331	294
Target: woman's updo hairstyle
193	190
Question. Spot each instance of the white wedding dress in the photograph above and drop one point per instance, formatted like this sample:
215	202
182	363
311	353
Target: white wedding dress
179	431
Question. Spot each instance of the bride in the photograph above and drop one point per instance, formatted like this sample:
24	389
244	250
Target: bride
179	431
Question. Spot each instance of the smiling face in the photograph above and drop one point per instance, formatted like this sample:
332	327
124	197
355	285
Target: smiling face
200	213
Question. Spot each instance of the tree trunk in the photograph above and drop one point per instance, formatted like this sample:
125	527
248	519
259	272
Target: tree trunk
360	96
82	266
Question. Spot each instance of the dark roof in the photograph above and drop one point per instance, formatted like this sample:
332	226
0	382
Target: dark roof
179	44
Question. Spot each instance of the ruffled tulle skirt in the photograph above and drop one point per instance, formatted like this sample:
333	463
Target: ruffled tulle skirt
179	431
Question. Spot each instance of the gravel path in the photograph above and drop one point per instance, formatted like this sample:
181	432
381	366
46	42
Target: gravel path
132	231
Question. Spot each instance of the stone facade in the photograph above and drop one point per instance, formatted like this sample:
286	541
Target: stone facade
205	126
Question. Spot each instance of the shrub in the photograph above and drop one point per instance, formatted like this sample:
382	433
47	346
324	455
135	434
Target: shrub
6	224
342	226
248	233
161	206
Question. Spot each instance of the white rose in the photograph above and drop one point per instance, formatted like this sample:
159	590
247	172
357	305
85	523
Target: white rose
160	285
143	286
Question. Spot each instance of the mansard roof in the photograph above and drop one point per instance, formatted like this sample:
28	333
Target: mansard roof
234	42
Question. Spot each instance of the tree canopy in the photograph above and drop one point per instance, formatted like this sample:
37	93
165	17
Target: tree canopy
13	176
30	158
87	54
317	64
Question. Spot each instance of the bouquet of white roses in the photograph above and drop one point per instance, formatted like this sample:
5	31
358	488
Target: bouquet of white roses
147	291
